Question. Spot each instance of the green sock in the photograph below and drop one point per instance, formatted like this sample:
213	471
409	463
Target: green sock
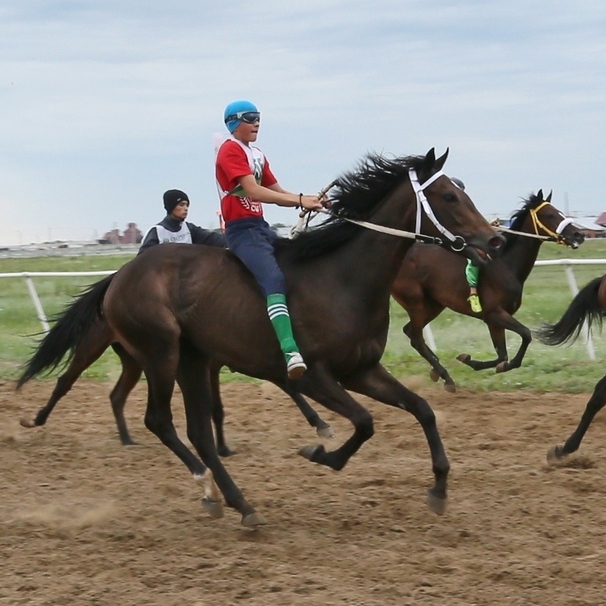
278	314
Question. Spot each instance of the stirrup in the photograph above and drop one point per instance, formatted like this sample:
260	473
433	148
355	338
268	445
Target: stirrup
295	366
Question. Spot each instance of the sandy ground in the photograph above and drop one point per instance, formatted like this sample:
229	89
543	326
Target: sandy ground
84	520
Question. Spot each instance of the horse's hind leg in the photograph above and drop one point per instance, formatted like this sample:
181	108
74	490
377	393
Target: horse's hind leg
130	375
160	367
218	413
86	353
437	372
595	404
194	379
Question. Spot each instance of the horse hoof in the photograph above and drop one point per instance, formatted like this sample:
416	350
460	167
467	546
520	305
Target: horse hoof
325	432
27	423
434	376
555	454
254	519
501	367
225	451
450	387
213	508
436	504
308	452
464	358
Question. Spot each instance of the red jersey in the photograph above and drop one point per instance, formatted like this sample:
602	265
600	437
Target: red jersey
234	160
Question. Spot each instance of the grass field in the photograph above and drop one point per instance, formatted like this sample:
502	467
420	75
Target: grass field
546	295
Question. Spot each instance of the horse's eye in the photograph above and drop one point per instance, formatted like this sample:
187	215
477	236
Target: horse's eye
450	197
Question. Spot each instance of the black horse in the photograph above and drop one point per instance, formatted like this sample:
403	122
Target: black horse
181	310
587	308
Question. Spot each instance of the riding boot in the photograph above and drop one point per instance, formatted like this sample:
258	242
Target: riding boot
280	319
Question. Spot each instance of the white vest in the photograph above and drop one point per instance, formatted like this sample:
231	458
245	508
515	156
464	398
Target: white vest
183	236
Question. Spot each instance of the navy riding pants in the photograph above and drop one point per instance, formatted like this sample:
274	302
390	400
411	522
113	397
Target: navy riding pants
251	240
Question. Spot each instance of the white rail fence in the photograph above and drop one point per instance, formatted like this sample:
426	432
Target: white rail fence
33	293
567	265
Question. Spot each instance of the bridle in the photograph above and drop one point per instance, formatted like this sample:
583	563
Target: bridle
537	224
423	204
457	242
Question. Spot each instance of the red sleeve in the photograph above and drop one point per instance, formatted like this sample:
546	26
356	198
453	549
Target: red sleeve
232	162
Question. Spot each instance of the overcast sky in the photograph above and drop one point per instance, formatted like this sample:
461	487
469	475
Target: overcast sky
105	104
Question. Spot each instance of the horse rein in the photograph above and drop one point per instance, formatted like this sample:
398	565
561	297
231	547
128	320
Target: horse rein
422	204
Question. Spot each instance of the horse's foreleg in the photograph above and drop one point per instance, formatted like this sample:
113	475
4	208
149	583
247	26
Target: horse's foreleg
378	384
317	383
194	379
130	375
437	372
497	335
595	404
525	335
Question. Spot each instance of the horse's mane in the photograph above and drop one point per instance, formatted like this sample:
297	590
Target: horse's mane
519	216
355	195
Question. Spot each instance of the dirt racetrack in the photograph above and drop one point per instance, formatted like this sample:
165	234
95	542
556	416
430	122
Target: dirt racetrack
84	520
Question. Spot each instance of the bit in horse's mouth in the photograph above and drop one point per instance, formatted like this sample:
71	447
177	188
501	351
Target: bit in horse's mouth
484	256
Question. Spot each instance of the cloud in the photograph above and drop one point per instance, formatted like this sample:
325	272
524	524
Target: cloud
107	104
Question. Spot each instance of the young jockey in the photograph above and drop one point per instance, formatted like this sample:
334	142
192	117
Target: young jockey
174	227
245	181
472	272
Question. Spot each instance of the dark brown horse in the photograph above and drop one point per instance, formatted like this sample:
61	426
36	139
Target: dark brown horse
432	279
587	307
180	310
98	338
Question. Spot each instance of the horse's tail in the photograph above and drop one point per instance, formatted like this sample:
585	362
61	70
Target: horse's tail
69	328
585	307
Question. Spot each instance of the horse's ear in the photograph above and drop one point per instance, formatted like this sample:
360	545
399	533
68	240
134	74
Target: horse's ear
540	195
430	158
549	196
441	160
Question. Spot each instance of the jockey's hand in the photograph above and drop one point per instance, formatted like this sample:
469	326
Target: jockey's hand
311	202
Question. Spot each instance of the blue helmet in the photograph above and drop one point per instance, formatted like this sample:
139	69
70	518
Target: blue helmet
458	183
234	108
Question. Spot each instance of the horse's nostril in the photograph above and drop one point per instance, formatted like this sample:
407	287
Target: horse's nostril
496	243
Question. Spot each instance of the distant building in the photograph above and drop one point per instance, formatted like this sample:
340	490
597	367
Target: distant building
590	227
131	235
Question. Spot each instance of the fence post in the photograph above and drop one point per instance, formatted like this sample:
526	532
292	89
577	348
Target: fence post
37	304
428	336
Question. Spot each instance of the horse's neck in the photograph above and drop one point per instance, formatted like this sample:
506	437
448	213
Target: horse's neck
522	253
370	261
384	253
